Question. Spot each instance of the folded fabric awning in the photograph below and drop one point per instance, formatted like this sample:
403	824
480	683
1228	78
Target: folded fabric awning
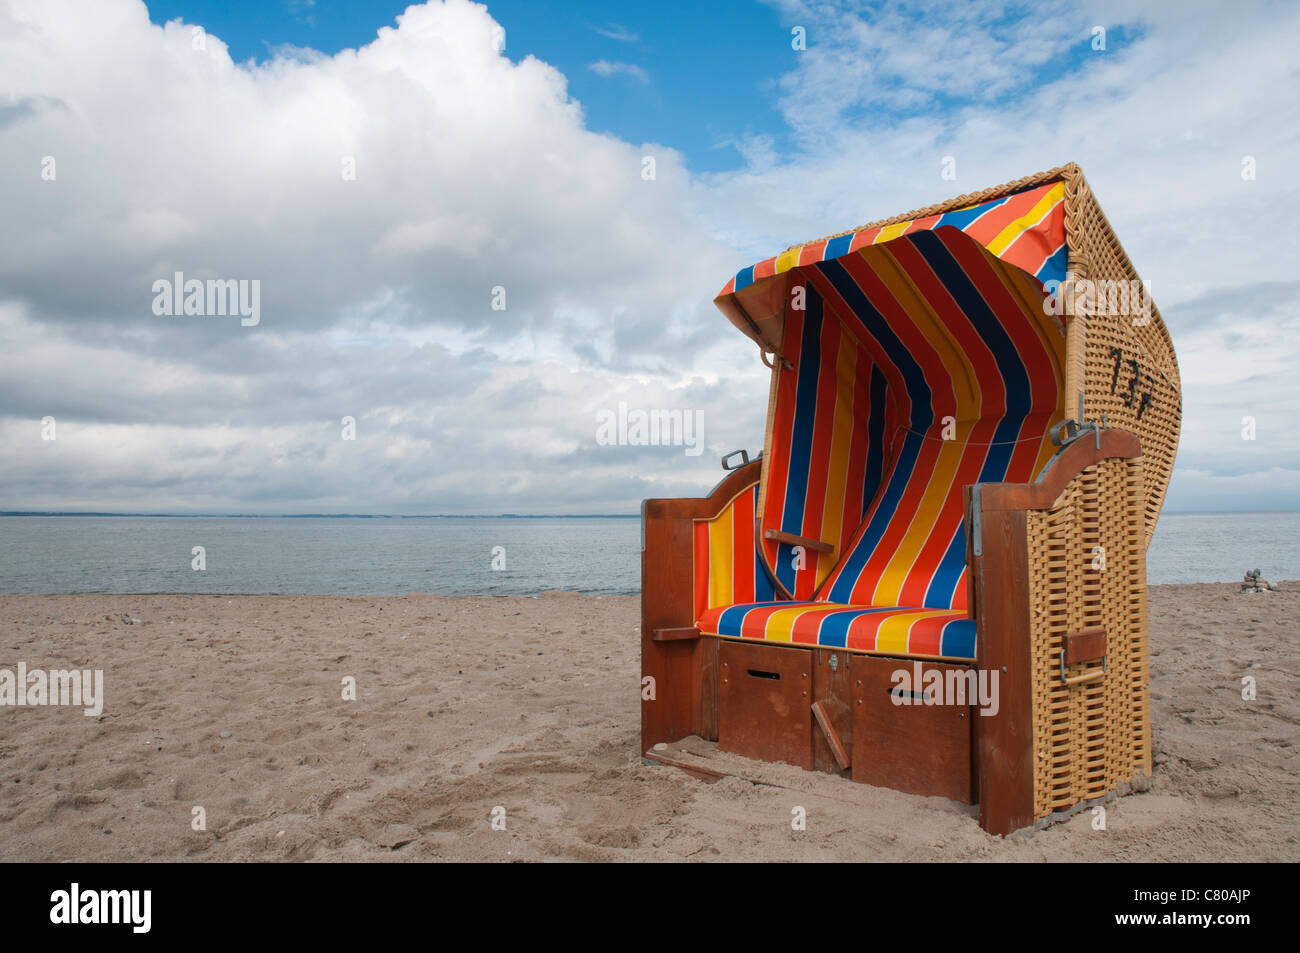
1025	229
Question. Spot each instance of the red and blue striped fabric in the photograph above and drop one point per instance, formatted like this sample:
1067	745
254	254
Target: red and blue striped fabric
977	368
1025	229
969	351
883	630
727	565
924	361
825	464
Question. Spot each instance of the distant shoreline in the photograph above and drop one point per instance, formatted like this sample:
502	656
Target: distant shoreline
347	516
451	516
1287	586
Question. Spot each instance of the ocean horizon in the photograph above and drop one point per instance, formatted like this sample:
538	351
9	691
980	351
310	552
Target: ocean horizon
508	554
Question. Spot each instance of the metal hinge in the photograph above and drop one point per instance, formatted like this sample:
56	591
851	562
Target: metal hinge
1068	431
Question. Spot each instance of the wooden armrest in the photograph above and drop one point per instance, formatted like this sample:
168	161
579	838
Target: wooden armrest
816	545
676	634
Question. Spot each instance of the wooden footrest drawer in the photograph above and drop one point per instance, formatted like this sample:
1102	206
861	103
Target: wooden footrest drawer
908	738
765	702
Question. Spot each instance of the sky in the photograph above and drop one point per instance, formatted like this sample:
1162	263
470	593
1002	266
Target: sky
463	266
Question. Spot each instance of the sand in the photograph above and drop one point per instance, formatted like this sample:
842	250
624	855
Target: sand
466	705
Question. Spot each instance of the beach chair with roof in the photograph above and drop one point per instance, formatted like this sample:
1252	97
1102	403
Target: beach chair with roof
933	578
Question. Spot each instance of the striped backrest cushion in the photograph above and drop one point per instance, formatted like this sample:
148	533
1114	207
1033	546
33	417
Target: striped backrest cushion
974	366
825	455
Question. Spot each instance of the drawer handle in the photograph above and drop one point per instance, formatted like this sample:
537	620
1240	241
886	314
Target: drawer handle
904	693
1096	675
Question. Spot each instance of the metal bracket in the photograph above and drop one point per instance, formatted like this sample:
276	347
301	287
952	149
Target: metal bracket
976	521
1068	431
744	459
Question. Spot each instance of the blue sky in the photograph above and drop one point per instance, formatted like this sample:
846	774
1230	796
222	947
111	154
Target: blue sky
707	77
380	195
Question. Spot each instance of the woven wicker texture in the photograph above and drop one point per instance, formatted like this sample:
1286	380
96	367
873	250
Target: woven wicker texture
1130	374
1089	737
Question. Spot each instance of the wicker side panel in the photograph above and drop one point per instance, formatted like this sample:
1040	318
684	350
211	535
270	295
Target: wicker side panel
1129	373
1089	737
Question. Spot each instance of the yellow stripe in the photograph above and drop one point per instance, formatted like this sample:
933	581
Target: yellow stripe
787	259
1047	449
780	624
890	232
1027	292
892	634
1027	221
889	588
968	399
721	590
842	429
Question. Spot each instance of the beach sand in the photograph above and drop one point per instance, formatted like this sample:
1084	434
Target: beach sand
233	704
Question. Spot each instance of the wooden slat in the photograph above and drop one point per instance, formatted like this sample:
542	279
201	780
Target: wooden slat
1004	742
676	634
816	545
831	735
678	666
832	695
694	770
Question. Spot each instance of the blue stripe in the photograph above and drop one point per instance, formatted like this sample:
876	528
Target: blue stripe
990	330
963	219
763	588
856	561
834	633
1015	379
744	278
875	438
958	639
837	247
801	437
876	325
1054	267
943	587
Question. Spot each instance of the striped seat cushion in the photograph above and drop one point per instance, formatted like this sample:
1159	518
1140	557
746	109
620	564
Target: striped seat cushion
882	630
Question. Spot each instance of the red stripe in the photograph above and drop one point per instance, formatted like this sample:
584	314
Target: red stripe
831	298
932	551
922	224
1035	245
701	567
805	627
926	635
819	464
754	625
742	548
855	480
778	475
863	239
812	253
988	226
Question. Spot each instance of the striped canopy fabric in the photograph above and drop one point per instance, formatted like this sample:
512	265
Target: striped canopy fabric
1025	229
914	360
